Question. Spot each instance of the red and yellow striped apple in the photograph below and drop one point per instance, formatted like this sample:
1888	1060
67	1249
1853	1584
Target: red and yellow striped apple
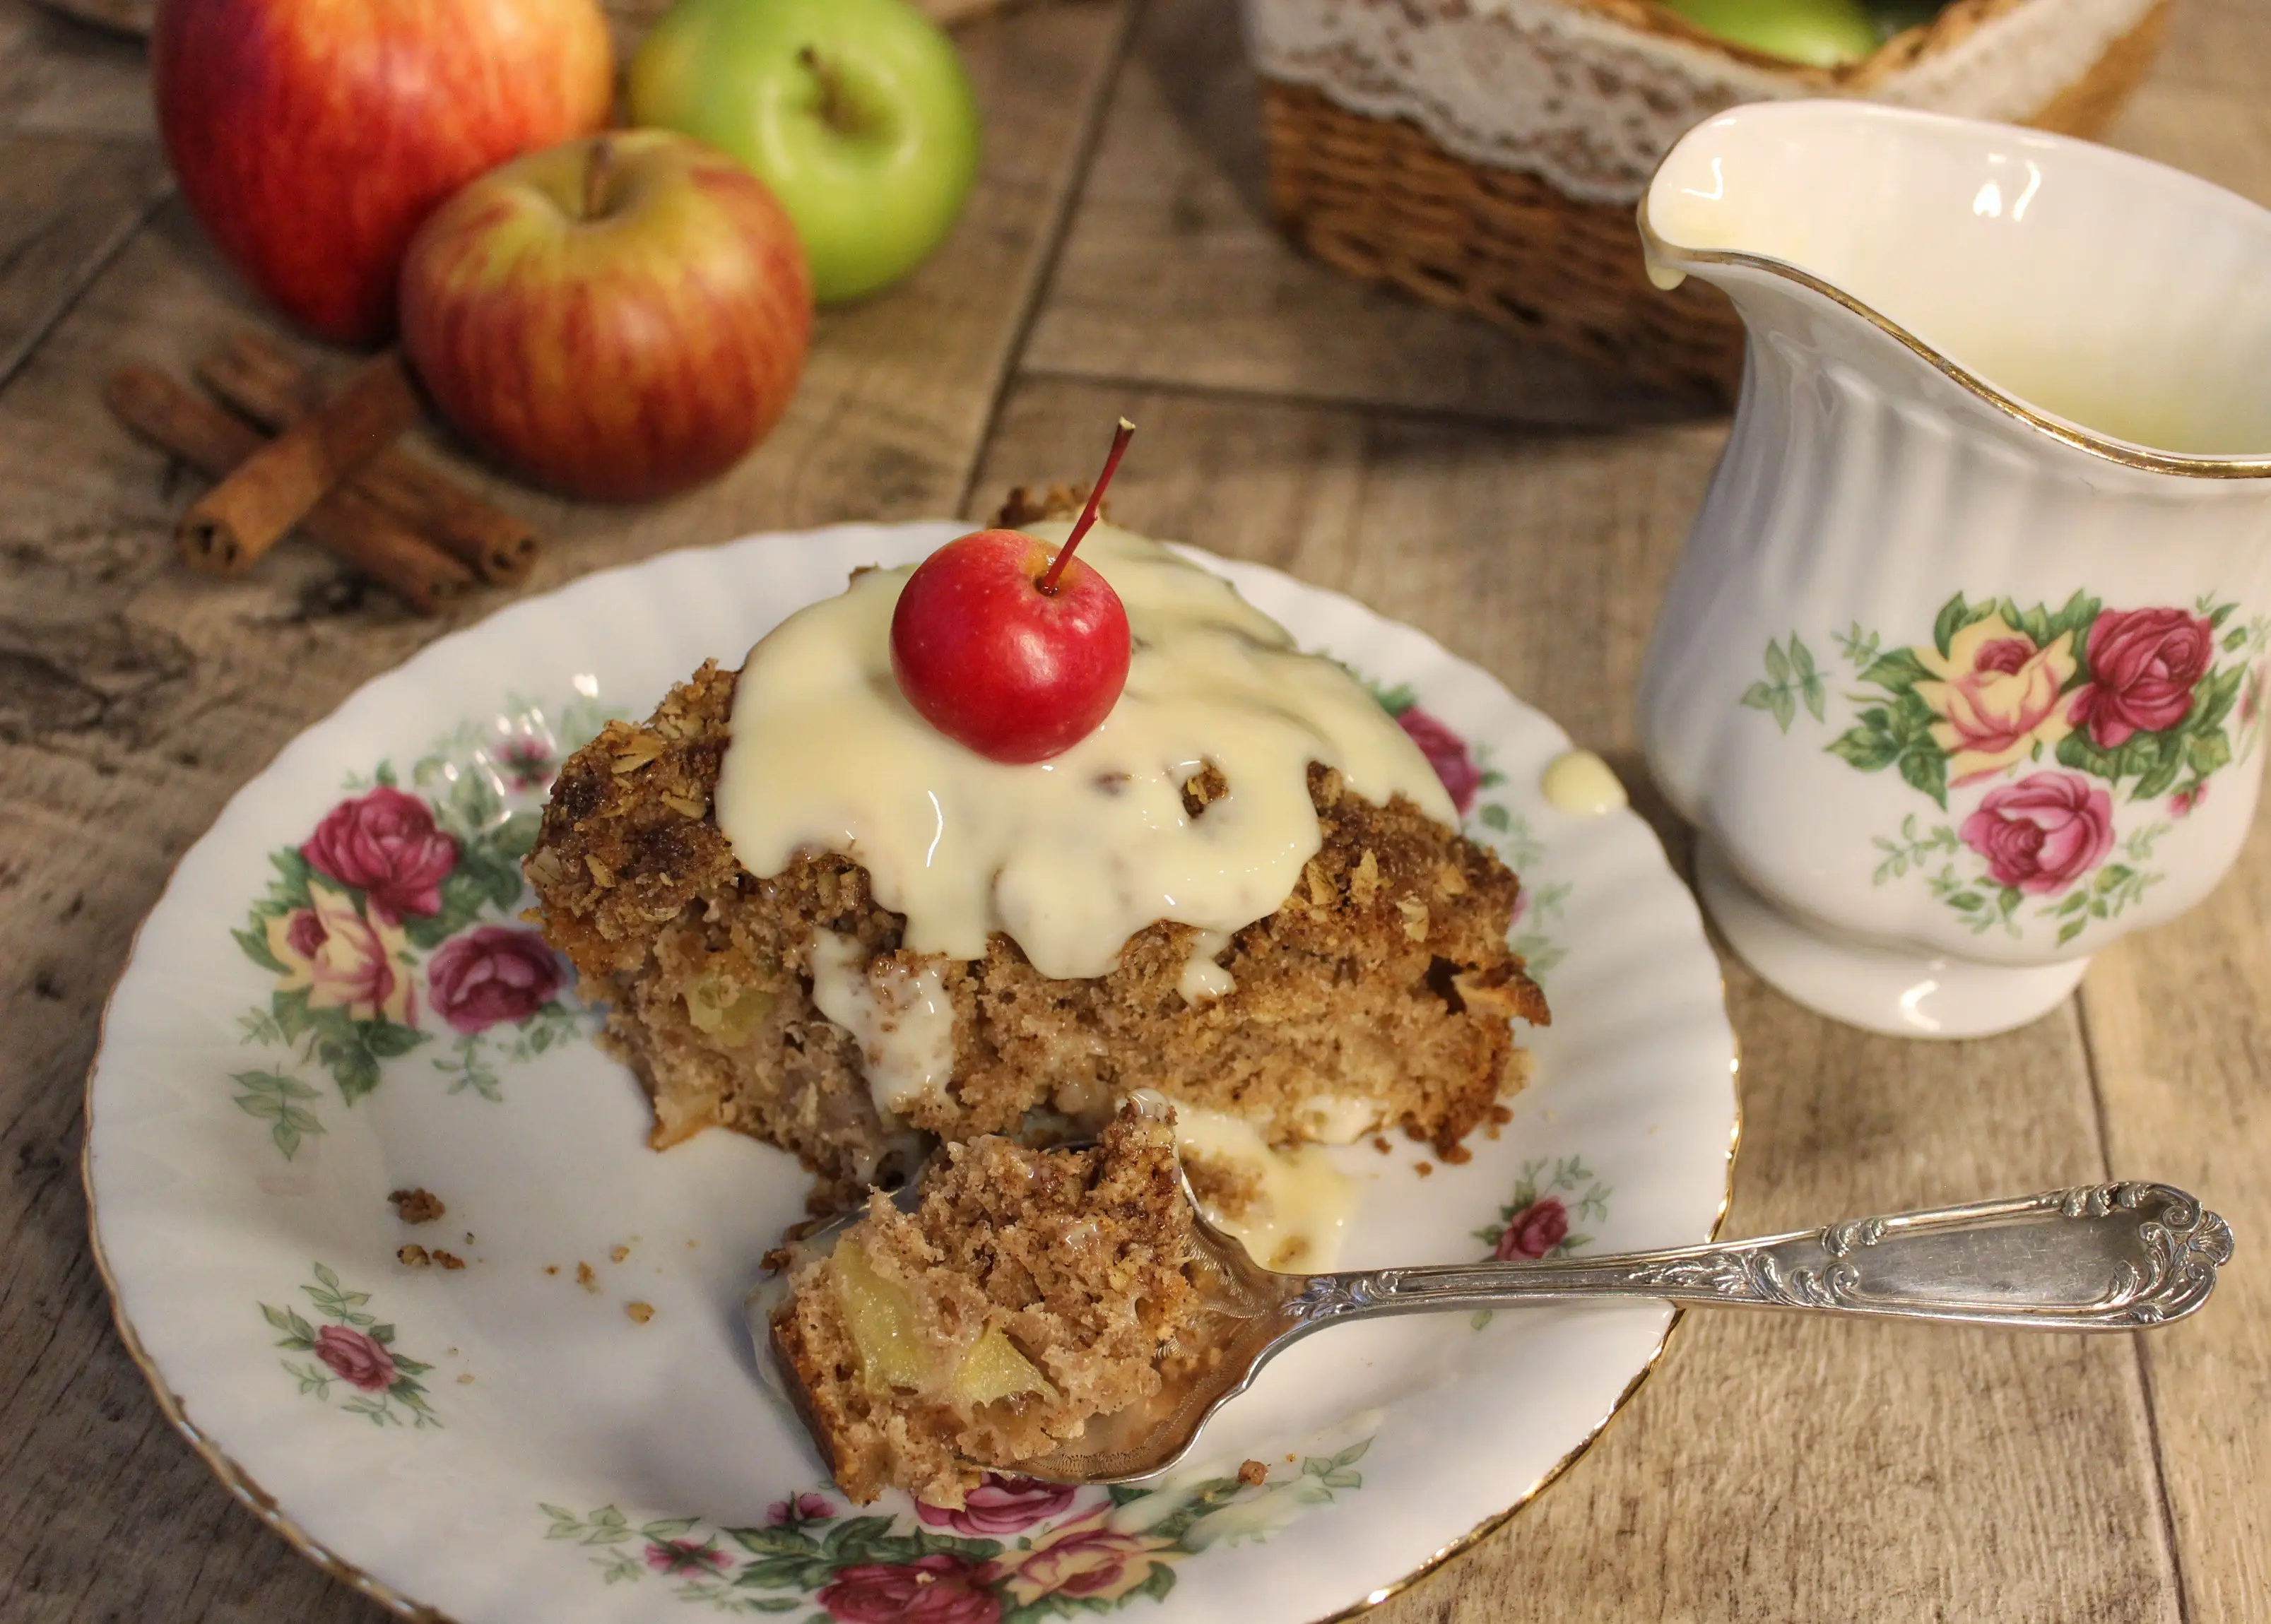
311	137
617	317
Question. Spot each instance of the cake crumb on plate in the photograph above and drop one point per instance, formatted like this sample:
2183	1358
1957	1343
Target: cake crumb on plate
1253	1472
641	1312
416	1206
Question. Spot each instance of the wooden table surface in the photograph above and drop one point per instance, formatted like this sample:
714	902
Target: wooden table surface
1521	508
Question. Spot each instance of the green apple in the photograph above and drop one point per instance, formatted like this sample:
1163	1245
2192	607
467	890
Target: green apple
1822	33
856	113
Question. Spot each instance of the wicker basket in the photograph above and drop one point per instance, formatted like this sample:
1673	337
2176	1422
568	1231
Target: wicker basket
1376	191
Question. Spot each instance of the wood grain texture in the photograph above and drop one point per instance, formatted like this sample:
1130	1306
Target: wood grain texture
135	698
79	167
68	204
2179	1024
1172	272
1775	1469
2206	107
59	77
2214	44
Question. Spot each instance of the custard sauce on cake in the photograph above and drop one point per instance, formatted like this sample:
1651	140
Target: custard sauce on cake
1070	857
818	922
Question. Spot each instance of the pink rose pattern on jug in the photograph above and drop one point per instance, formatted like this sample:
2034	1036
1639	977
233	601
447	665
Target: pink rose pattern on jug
395	923
2045	722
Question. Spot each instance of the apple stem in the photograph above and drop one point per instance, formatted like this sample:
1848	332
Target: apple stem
836	110
1047	583
596	173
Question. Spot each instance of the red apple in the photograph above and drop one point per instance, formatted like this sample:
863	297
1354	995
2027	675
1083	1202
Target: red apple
618	317
1005	648
311	137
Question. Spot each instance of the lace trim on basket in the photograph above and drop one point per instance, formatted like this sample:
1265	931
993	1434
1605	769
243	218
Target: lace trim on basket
1592	105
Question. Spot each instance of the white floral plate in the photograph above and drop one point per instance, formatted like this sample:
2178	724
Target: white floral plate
557	1415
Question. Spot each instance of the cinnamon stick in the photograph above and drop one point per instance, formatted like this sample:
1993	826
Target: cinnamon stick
345	523
250	511
259	379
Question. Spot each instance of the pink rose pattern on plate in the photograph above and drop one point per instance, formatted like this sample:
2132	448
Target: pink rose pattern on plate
395	923
1468	778
492	975
2050	716
1552	1194
385	844
354	1351
1019	1552
1001	1505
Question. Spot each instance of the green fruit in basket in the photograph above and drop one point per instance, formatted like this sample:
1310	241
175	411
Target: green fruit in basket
1821	33
1893	17
857	113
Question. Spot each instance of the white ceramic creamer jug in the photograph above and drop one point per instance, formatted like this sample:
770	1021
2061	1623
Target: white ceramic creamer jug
1963	672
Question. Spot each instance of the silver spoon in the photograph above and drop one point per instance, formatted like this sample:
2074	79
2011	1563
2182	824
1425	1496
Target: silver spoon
2103	1258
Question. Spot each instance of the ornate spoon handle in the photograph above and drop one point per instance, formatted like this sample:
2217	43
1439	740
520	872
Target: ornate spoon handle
2106	1258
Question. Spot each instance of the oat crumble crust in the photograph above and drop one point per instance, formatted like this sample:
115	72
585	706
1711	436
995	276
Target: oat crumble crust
1082	1259
1386	976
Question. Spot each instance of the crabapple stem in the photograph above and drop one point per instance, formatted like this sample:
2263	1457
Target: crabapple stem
1047	583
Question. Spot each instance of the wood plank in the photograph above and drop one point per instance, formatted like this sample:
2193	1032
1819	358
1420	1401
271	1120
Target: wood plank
2179	1019
1172	272
2179	1024
62	78
2218	134
134	699
2217	45
2206	106
67	205
1775	1469
80	166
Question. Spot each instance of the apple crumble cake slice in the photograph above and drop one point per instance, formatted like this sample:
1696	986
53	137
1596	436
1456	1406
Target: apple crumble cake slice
1029	1291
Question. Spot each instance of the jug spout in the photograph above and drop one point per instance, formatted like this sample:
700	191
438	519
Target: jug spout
2083	292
